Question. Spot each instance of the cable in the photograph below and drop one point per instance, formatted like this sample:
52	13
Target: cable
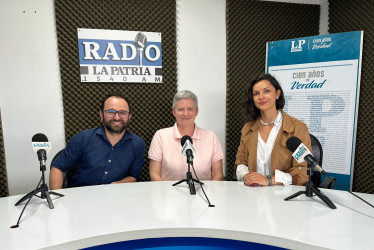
197	178
17	225
337	183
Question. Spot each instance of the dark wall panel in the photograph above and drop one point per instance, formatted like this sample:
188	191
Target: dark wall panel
151	102
4	191
351	15
250	24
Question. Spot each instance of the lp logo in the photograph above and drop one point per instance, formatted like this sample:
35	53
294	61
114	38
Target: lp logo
298	47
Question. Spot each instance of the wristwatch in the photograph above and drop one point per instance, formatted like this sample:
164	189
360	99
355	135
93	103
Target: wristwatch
270	180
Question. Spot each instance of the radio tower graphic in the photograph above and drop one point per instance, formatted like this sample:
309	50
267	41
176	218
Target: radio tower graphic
140	42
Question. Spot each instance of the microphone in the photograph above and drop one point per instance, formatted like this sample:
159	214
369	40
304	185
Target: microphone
187	148
140	42
41	146
301	153
189	151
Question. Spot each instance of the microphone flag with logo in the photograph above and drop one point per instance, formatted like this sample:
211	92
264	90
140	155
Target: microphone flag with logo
301	153
187	148
41	146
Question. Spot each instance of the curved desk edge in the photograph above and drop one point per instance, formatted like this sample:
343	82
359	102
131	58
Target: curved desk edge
184	232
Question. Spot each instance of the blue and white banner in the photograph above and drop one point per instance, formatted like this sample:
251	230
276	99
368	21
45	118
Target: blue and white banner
320	77
119	56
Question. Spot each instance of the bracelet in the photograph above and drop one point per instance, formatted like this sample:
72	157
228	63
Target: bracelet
270	180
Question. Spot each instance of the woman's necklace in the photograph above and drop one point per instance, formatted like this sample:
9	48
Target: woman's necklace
267	123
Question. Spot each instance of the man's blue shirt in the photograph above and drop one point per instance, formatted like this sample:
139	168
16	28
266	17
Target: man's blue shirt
97	161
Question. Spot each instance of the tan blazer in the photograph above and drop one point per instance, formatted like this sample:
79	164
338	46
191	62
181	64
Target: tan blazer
281	157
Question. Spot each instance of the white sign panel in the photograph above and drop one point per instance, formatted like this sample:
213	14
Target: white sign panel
320	77
120	56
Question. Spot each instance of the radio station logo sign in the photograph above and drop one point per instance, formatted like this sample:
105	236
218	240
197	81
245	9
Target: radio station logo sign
119	56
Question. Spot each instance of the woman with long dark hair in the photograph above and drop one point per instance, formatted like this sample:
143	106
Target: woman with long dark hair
262	157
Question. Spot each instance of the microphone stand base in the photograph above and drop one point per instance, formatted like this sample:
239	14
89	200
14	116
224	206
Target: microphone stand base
190	181
44	194
310	189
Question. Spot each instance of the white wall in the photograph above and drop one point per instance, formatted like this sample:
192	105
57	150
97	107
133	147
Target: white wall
201	44
324	17
30	88
30	92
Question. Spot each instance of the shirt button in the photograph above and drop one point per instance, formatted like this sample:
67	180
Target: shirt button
110	161
106	172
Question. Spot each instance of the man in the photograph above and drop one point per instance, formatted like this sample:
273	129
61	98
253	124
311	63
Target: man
103	155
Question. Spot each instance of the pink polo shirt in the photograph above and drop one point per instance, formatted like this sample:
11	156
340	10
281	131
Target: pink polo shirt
166	147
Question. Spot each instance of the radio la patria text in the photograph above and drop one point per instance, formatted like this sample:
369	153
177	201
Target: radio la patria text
114	70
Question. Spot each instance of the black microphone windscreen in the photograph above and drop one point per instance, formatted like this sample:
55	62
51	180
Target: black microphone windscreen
292	143
185	138
39	138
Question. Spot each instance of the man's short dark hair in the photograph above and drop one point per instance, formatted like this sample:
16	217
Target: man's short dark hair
118	95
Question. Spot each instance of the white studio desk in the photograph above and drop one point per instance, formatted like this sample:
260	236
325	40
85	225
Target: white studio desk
97	215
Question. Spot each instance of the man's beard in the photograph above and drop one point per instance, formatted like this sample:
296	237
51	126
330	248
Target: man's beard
115	130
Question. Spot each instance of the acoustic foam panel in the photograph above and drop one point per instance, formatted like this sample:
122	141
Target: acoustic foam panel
350	15
4	191
250	24
151	102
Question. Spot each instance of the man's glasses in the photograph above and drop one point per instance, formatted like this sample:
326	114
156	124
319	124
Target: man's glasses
112	113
